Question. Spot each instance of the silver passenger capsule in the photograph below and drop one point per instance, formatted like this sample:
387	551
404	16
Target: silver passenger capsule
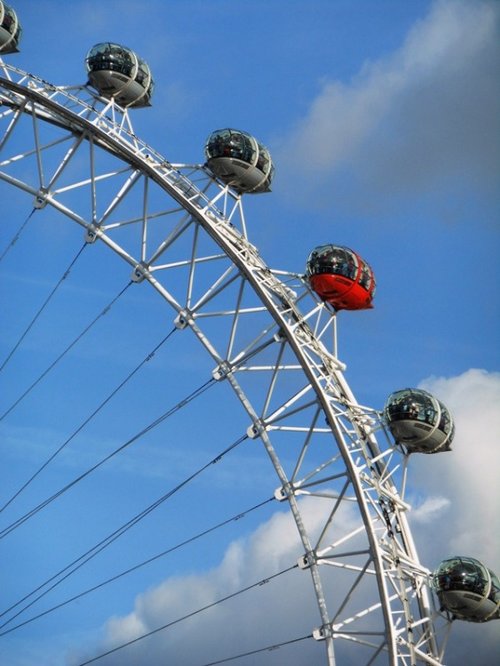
419	421
467	589
10	29
239	160
117	72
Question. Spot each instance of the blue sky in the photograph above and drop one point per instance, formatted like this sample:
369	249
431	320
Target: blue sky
382	119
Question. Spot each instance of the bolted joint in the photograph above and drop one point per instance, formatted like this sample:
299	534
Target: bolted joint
322	633
284	492
222	370
139	273
280	336
91	234
307	560
183	319
41	198
256	429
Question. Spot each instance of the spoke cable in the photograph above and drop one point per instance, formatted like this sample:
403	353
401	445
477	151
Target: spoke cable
41	309
22	519
17	236
88	419
268	648
111	538
259	583
103	312
186	542
104	543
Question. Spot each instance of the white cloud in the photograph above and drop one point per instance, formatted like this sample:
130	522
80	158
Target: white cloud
410	121
281	610
430	509
466	478
468	475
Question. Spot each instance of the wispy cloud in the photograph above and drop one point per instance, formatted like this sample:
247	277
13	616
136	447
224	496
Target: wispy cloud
430	509
410	122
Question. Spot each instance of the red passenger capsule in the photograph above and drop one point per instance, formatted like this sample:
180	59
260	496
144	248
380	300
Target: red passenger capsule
341	277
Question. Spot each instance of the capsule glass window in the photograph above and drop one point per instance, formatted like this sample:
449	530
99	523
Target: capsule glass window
144	78
224	143
264	159
241	147
365	278
142	75
110	57
462	574
446	423
408	404
10	23
332	259
268	181
495	587
9	20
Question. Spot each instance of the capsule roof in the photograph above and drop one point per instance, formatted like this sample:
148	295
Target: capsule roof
341	277
10	29
117	72
239	160
419	421
467	589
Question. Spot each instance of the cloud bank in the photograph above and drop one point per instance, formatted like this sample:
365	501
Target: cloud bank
409	123
466	478
463	486
278	611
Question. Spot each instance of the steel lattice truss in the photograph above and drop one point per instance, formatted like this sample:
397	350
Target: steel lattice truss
269	338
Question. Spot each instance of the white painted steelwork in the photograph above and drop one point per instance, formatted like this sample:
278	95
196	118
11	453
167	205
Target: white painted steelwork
269	339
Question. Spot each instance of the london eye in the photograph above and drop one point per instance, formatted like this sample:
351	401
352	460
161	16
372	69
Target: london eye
173	243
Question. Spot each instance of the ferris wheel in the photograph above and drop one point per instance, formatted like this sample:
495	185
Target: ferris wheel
269	336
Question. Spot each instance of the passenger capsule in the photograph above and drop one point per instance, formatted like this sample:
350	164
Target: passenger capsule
467	589
419	421
116	72
10	29
239	160
341	277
